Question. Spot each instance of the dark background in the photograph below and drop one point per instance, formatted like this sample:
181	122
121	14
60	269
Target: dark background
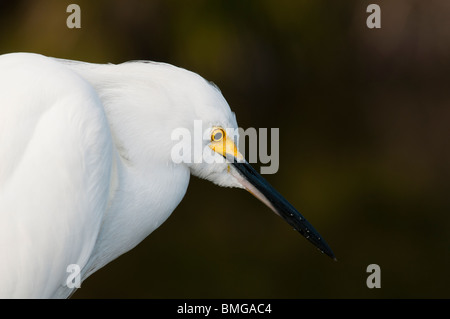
364	141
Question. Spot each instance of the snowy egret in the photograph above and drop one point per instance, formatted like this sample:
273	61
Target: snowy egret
85	167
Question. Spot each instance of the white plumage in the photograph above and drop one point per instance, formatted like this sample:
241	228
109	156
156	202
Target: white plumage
85	166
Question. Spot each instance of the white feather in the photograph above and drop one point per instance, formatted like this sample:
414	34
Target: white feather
85	168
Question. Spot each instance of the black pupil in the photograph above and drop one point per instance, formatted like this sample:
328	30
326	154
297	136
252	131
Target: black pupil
217	136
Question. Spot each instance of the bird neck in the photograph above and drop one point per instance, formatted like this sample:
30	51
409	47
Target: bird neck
146	185
140	201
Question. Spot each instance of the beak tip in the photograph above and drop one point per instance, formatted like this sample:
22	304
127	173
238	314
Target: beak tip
325	249
332	256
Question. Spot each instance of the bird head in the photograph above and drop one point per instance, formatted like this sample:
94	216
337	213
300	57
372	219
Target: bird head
189	122
216	157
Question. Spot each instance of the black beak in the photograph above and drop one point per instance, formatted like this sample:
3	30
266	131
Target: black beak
261	189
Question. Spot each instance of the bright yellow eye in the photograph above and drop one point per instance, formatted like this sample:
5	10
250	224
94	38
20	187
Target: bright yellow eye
217	135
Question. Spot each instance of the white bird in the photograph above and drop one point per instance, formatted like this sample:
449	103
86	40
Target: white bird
85	164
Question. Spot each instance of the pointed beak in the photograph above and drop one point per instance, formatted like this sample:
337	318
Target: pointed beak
261	189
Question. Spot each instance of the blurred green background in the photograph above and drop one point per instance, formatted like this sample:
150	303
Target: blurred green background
364	120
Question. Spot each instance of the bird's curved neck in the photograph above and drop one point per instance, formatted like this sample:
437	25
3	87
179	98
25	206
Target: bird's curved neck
140	201
146	185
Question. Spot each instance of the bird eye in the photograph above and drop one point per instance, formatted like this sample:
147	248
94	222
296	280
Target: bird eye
217	135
